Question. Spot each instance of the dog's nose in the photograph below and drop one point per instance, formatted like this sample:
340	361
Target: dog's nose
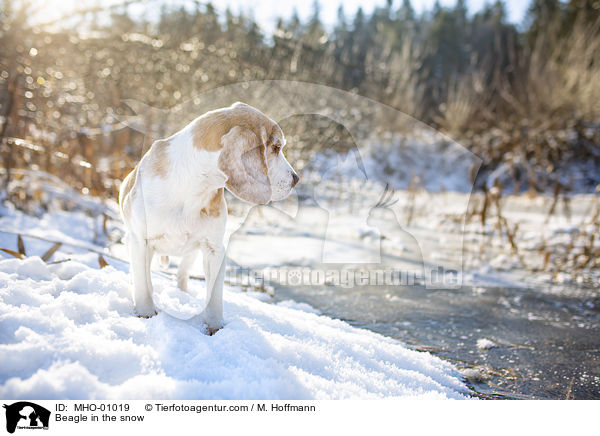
295	179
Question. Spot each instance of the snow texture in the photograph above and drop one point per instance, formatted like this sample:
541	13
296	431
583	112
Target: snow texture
68	331
485	344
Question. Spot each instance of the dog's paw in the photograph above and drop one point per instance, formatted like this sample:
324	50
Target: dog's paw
185	290
145	312
212	324
212	327
147	316
212	330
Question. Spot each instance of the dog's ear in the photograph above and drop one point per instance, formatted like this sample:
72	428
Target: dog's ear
244	160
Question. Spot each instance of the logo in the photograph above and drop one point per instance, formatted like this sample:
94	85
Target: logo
26	415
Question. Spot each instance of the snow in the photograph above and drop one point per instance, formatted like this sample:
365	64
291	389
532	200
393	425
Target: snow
423	158
477	374
68	330
361	235
298	306
71	333
485	344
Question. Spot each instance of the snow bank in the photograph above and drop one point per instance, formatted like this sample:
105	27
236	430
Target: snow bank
68	331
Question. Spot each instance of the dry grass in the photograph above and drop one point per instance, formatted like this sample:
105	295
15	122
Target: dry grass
565	79
464	98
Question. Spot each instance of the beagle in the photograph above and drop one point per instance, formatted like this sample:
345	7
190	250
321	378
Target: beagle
172	202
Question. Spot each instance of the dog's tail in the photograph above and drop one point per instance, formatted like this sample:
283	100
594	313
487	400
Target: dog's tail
164	262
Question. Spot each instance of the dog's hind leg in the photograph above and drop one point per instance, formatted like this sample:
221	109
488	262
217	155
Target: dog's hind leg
164	262
183	272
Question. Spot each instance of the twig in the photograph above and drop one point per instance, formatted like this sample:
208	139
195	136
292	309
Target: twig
569	388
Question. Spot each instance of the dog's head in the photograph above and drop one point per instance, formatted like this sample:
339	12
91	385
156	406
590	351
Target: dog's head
252	157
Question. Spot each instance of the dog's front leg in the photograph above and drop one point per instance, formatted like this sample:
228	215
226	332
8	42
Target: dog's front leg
141	258
214	265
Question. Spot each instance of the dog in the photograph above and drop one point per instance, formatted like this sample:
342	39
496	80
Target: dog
173	203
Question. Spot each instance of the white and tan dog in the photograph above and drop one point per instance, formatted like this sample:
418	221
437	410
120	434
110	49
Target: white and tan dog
172	203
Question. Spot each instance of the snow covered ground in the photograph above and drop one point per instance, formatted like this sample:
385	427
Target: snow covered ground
67	330
437	235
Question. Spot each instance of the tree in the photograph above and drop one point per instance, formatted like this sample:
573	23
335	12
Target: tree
542	15
315	33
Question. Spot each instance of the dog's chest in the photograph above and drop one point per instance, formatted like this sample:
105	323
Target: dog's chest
181	227
178	244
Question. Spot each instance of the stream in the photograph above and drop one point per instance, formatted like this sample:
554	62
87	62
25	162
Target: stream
541	343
